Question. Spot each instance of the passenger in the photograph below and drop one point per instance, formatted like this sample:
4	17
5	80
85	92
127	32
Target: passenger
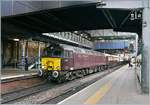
129	63
26	64
138	63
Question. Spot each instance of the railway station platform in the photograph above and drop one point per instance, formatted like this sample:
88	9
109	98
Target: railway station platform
10	74
119	87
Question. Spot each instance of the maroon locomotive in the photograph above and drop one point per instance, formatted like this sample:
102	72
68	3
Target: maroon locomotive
63	62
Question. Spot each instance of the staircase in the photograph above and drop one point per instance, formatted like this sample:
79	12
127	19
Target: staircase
32	62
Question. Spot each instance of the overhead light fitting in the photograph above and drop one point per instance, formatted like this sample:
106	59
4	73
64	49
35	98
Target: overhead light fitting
76	32
100	4
100	38
30	40
16	39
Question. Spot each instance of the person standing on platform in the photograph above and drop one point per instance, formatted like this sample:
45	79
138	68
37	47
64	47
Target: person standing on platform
26	63
129	63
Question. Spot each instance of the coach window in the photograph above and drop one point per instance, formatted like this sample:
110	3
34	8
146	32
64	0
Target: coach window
70	54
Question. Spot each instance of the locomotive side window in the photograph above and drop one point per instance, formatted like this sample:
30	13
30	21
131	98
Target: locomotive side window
71	54
68	54
65	53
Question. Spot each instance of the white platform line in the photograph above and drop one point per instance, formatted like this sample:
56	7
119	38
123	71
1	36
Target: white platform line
17	76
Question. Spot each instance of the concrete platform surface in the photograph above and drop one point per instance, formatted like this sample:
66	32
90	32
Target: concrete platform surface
119	87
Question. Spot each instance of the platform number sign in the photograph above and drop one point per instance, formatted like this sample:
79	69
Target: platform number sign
136	14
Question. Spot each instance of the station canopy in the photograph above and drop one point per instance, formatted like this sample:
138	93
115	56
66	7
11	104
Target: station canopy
71	18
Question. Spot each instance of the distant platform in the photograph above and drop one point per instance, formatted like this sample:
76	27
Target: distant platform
10	74
119	87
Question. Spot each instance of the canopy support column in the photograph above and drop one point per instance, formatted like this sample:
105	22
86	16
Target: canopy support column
146	47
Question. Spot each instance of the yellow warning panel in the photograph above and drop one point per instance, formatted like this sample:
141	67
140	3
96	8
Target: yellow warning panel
51	63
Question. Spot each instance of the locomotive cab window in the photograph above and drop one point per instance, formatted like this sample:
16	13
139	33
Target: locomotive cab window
57	53
53	51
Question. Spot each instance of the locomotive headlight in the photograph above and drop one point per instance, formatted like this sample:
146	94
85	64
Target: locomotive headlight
43	67
71	68
55	74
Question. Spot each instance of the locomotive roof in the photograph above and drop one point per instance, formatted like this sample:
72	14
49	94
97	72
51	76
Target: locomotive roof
80	50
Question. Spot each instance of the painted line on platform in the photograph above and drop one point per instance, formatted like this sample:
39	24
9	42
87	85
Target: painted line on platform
99	94
61	102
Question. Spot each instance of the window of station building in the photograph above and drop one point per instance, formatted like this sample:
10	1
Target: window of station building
72	36
62	34
65	35
75	38
78	39
69	35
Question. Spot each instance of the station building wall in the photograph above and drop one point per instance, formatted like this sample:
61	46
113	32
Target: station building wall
11	52
8	52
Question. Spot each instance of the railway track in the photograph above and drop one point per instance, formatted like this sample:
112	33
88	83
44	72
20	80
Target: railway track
21	94
14	95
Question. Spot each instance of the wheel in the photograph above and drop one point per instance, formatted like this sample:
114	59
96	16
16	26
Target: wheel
40	73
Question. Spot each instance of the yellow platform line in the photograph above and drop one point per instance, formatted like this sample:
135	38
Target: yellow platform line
99	94
101	91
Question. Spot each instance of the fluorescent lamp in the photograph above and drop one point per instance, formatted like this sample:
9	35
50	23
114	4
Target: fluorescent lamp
16	39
